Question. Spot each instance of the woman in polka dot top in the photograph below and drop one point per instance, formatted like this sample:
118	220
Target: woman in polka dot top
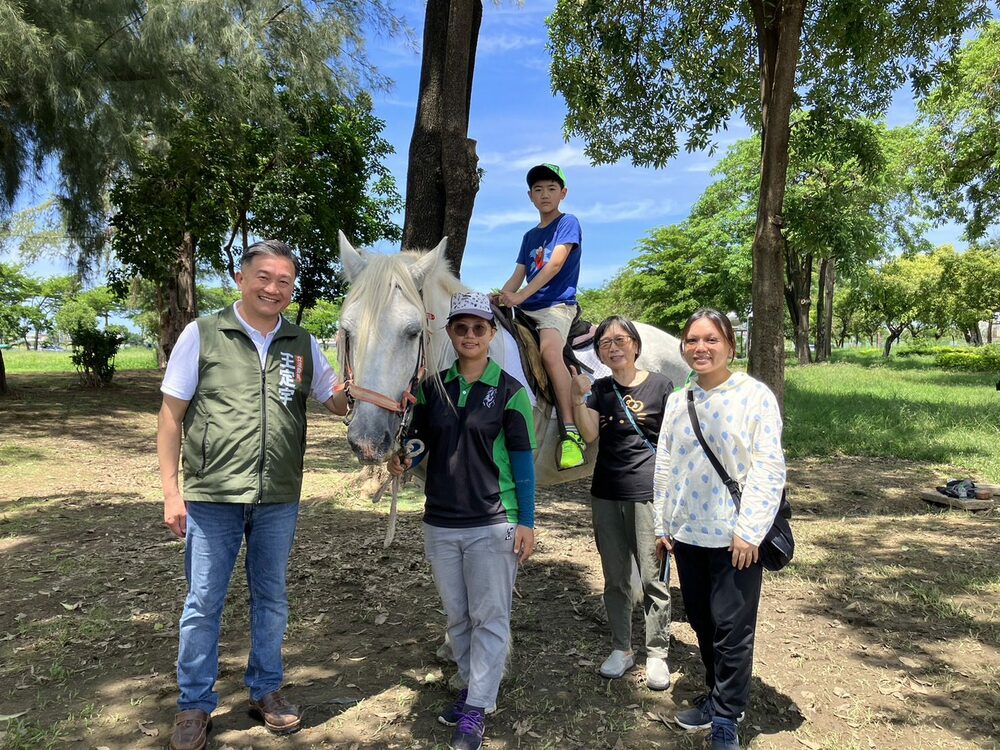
714	545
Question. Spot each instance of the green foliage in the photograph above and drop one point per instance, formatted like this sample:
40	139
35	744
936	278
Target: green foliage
216	179
923	348
75	315
978	359
78	76
959	167
172	189
686	266
329	176
602	303
321	319
970	289
15	289
636	73
904	293
214	298
94	353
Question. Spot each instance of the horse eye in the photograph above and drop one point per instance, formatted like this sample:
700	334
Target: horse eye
412	332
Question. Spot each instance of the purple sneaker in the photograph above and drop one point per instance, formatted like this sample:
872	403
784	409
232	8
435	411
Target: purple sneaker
469	731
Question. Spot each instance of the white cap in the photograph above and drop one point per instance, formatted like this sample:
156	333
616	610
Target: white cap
471	303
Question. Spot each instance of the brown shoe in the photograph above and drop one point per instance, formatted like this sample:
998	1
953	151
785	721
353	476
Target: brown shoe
191	729
278	715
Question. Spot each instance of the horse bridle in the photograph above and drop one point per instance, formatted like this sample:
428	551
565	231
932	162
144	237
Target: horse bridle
403	407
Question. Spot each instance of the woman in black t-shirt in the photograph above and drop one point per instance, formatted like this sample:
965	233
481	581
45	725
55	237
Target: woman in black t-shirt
623	413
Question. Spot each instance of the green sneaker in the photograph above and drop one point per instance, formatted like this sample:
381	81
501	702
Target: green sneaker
571	451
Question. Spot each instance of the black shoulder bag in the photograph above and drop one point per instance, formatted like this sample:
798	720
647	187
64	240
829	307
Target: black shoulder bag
778	547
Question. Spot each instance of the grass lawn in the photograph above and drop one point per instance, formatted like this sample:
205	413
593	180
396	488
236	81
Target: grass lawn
20	361
904	408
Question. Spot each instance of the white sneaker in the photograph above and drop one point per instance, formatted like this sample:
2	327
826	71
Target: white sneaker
657	673
617	664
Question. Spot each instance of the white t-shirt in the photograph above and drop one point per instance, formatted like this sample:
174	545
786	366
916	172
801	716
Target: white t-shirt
181	378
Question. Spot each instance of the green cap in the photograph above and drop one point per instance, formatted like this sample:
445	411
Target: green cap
546	172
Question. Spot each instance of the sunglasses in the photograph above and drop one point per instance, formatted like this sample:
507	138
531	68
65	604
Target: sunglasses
619	341
477	329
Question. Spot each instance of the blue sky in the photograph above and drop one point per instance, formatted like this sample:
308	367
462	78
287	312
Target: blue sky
517	122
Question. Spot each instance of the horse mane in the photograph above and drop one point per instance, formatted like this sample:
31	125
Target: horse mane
384	274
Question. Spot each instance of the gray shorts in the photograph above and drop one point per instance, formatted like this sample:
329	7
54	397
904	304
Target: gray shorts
559	317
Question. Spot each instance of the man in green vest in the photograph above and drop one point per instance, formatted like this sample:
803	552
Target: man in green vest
238	382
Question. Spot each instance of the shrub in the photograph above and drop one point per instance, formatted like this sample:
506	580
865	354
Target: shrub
973	359
94	353
925	348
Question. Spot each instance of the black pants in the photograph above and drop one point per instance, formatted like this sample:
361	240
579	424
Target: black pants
721	605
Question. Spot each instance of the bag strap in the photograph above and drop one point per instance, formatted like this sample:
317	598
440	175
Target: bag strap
731	484
628	413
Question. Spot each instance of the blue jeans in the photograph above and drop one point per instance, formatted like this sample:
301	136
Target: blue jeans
215	533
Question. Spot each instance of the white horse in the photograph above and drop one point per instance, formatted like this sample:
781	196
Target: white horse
392	332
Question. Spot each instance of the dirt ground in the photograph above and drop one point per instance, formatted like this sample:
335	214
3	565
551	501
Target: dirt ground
884	632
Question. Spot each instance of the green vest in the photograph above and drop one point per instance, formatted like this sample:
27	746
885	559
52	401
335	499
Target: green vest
245	428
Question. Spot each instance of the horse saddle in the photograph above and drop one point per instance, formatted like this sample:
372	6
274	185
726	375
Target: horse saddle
522	328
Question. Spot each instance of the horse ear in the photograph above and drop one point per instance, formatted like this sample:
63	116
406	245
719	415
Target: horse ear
353	261
423	267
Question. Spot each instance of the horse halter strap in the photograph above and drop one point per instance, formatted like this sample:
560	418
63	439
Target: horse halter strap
357	393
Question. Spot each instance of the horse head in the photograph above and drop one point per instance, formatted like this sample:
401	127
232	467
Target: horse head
383	343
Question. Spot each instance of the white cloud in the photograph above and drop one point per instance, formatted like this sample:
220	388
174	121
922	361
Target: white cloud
609	213
701	166
390	101
597	213
490	221
565	156
504	43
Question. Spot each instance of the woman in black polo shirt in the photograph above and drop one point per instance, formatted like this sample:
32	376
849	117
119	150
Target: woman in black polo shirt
477	431
623	413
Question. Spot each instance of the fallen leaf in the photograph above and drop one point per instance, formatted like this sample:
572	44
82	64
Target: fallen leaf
381	618
147	728
71	607
906	661
8	717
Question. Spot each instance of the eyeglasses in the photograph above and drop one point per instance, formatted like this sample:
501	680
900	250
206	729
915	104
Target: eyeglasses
478	329
619	341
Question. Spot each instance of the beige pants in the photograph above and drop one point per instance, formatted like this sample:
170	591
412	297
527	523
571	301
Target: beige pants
559	317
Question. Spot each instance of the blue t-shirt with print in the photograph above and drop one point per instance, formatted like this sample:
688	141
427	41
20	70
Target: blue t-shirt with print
536	250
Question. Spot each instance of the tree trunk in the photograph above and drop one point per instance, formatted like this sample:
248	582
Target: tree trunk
824	310
442	176
798	296
178	303
778	27
892	338
3	376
